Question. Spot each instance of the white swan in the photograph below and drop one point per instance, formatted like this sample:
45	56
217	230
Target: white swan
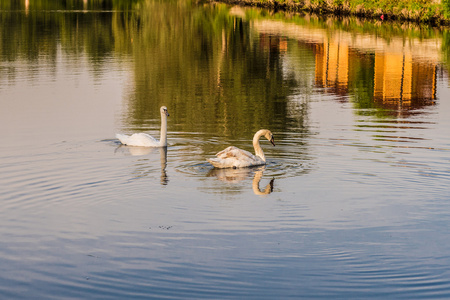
146	140
233	157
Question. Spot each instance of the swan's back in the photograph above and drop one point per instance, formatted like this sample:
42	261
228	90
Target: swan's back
138	139
233	157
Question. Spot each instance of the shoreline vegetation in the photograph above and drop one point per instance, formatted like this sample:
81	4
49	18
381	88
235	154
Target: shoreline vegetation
435	12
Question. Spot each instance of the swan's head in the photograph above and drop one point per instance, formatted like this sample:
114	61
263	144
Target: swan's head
164	111
269	136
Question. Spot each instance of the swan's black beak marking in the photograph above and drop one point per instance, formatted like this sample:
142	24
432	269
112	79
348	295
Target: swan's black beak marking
272	141
167	113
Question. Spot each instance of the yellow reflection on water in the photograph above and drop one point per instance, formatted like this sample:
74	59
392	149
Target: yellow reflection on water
332	63
404	68
399	79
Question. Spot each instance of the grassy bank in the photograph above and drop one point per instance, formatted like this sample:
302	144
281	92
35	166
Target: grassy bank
427	11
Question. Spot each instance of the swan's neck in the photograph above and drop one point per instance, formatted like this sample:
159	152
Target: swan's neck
163	137
258	150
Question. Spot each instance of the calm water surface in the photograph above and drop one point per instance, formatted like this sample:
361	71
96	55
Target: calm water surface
354	200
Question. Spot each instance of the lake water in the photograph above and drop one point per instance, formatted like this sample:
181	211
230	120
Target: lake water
354	199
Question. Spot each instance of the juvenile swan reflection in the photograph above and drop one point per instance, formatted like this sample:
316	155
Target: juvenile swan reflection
255	184
236	175
233	157
144	139
140	151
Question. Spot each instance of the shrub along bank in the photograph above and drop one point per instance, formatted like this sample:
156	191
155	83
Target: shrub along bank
428	11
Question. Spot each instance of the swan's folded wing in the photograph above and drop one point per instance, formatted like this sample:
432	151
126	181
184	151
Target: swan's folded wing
233	157
234	152
138	139
143	138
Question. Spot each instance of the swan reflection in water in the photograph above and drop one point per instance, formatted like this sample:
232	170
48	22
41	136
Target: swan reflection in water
239	174
140	151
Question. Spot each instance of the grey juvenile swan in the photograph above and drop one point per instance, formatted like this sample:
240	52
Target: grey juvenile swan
233	157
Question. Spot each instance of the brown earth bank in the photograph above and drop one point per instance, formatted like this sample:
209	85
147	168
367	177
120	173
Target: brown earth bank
435	12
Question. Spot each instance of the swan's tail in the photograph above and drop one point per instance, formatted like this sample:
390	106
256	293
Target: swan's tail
215	162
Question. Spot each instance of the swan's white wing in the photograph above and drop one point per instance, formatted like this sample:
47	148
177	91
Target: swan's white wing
233	157
235	152
138	139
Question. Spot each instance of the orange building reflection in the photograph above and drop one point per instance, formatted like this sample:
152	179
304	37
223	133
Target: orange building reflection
402	70
272	42
399	80
332	65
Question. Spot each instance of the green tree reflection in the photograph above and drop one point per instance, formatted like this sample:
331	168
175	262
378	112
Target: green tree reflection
96	29
215	71
207	67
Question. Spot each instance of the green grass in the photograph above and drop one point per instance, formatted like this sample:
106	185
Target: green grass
411	10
